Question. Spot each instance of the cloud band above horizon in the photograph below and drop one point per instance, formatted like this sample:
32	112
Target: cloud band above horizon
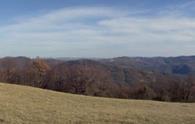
101	32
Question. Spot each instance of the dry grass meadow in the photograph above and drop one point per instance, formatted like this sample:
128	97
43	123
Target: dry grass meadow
26	105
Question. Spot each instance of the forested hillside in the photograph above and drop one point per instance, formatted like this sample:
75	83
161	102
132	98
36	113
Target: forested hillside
164	79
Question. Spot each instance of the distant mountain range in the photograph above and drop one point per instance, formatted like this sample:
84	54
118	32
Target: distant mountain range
183	65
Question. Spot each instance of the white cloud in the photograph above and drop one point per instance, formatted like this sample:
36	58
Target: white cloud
99	32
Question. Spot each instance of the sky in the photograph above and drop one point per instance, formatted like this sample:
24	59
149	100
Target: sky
97	28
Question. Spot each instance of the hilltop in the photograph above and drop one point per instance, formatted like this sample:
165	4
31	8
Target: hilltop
22	104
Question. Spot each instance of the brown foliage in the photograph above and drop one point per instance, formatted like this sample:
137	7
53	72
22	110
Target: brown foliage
93	78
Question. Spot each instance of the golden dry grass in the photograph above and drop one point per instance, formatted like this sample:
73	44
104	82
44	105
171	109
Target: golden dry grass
26	105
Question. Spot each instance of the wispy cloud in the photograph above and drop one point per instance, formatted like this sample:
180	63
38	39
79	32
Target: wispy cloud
101	32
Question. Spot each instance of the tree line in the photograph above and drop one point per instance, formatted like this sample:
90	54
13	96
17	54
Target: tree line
89	77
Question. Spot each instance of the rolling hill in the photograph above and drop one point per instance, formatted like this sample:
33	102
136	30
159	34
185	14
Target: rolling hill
22	104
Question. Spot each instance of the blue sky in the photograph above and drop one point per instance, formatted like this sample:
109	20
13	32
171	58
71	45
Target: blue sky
97	28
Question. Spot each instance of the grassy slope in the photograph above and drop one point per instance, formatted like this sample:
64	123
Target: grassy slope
20	104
